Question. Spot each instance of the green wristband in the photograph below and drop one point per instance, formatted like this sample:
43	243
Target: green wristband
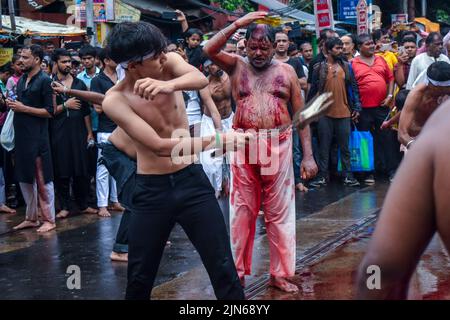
218	144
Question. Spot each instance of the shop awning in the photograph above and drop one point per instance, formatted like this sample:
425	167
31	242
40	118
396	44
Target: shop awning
29	27
285	11
156	7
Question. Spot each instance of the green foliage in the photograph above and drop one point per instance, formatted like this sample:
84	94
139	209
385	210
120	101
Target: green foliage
442	16
303	5
233	5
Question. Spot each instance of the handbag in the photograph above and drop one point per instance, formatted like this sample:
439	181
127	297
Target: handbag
7	134
361	152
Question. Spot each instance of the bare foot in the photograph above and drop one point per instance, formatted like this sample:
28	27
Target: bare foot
242	281
301	187
62	214
27	224
116	207
103	212
6	209
121	257
46	227
282	284
90	210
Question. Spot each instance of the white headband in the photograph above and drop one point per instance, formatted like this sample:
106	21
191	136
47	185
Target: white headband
438	83
149	55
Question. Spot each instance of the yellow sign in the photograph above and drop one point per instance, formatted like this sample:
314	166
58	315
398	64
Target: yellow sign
125	13
6	55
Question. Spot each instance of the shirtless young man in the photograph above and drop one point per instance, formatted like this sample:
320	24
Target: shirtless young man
220	91
166	191
422	101
262	88
412	212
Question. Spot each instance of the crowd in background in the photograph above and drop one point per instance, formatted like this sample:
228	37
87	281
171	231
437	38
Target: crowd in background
368	75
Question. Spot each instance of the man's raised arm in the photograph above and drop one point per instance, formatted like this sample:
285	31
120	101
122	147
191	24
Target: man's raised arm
213	48
185	78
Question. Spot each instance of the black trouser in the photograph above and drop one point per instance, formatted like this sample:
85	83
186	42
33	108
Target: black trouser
80	188
186	197
328	128
123	170
386	146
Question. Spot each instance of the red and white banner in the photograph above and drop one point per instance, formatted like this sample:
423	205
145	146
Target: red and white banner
362	17
323	10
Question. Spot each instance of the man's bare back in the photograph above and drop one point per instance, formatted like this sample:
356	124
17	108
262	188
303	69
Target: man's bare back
262	96
425	105
423	100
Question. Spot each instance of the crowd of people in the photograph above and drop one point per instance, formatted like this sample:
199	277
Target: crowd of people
93	130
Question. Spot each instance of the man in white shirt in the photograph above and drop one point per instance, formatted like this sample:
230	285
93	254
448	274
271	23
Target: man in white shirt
435	45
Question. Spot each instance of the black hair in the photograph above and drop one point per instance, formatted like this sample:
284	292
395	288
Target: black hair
192	31
363	38
103	55
15	58
400	98
87	51
330	43
429	40
46	43
133	40
408	39
439	71
36	51
410	34
270	32
7	67
306	42
353	37
420	44
292	47
58	53
377	34
323	34
17	47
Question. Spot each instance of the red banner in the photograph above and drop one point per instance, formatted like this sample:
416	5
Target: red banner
323	10
362	17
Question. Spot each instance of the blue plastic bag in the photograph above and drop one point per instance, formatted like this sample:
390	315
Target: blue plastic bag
361	152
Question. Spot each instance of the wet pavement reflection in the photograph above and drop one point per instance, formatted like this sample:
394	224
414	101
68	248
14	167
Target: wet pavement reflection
34	266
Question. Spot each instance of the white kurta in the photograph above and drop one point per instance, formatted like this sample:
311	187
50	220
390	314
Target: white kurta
421	64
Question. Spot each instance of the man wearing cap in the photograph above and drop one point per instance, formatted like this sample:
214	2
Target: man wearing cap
422	101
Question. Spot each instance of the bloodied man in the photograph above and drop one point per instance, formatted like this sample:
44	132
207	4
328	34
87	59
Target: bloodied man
262	89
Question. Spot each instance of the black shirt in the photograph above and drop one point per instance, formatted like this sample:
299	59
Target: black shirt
68	135
298	67
196	57
102	83
32	132
317	59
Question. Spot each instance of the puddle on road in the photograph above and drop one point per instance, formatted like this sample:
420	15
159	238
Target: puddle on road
333	277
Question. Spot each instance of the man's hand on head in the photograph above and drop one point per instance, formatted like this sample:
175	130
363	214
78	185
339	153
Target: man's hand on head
249	18
148	88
